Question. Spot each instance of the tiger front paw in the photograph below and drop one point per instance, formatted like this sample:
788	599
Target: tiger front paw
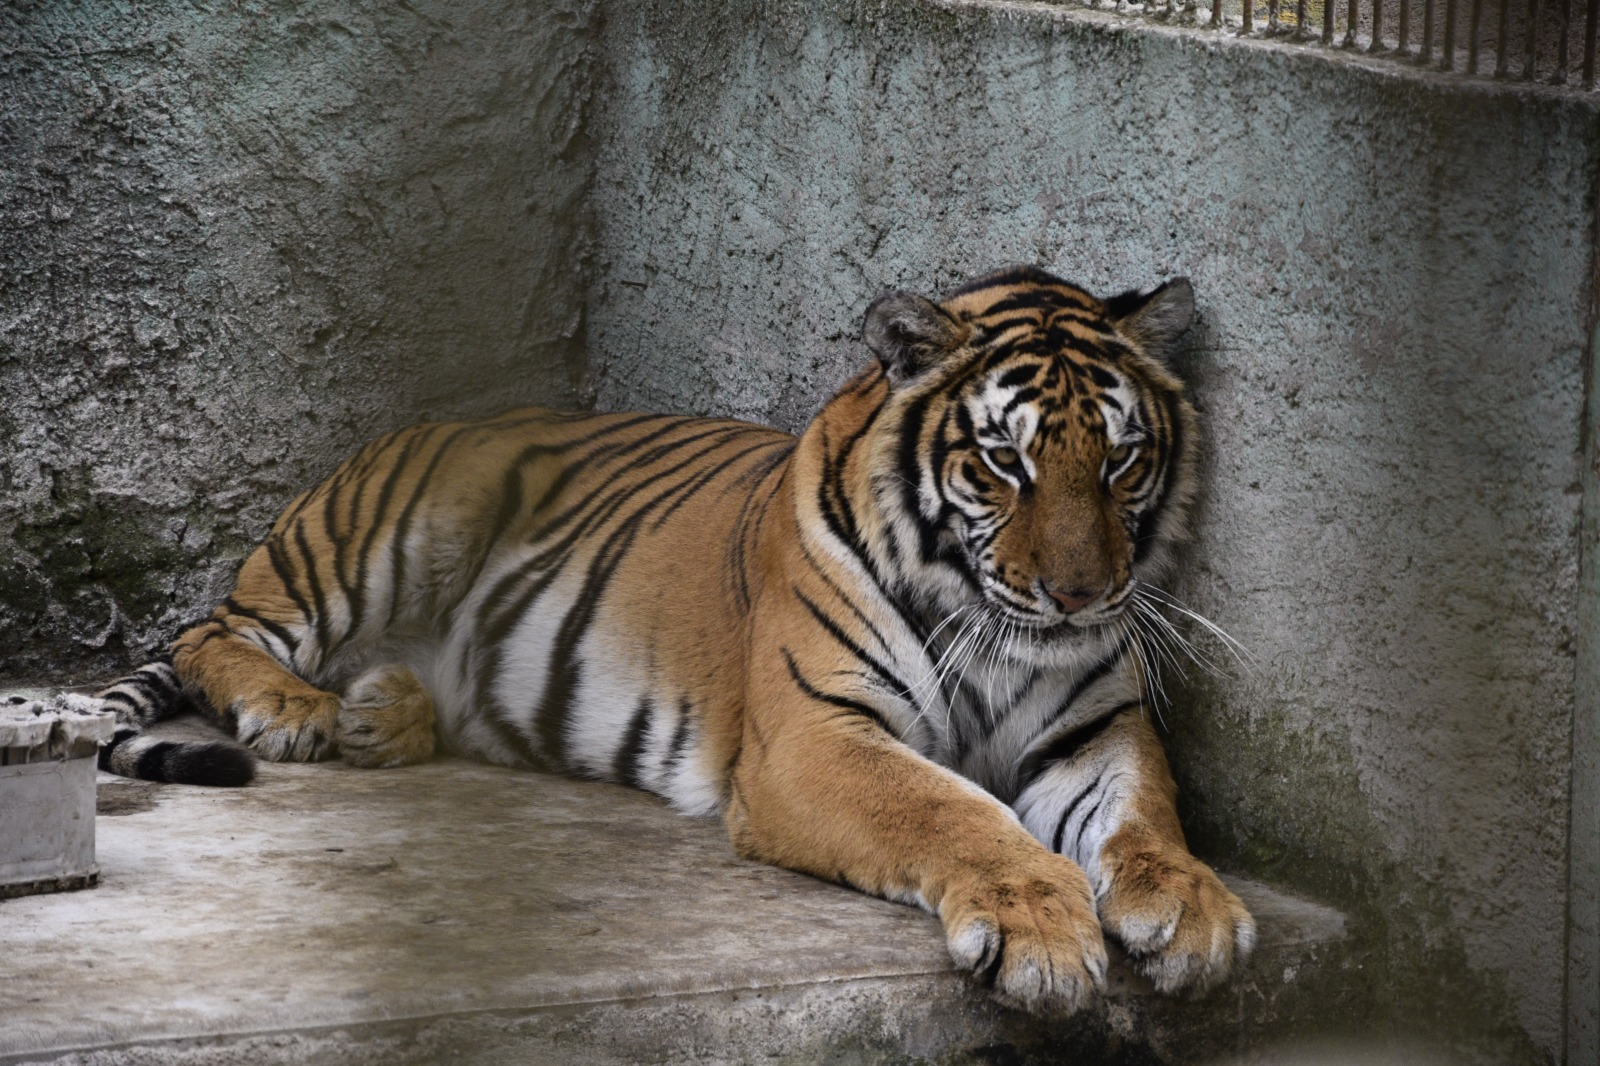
288	728
1181	926
1031	934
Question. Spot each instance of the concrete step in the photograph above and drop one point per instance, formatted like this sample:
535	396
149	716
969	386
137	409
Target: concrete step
471	913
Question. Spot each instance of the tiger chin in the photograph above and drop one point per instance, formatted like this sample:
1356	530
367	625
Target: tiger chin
899	651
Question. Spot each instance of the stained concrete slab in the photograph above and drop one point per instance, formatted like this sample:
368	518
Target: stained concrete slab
459	910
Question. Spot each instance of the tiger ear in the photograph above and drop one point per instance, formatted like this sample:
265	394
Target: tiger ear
1156	319
910	334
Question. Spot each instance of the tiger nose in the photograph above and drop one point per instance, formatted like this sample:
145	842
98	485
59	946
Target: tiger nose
1072	599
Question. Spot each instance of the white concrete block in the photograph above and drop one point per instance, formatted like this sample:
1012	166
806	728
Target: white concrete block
47	792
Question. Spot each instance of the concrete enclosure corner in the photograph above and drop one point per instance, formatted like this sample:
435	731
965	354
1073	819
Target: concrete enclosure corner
235	243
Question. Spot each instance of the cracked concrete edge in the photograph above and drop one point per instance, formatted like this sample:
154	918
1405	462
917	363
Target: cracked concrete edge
917	1018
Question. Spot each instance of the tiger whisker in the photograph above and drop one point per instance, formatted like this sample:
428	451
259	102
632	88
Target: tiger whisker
935	677
1177	639
1172	641
1238	650
1150	681
990	623
994	663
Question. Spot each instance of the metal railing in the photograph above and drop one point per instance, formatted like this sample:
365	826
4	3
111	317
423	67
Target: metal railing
1548	41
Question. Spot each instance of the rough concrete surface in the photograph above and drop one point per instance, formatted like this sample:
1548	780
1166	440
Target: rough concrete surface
1583	931
240	239
453	909
1393	273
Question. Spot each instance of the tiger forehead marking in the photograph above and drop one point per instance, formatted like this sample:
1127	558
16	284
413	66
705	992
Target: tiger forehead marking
1050	364
1047	462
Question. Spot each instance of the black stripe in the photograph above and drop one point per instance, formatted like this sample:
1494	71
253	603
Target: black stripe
342	541
1066	815
742	534
403	522
1105	794
847	600
380	515
1144	539
280	566
910	444
706	477
853	706
148	677
1089	677
585	463
565	670
589	513
836	523
1066	746
988	723
152	765
233	606
1101	376
108	750
319	602
680	738
402	526
1020	397
886	675
1028	299
555	555
626	765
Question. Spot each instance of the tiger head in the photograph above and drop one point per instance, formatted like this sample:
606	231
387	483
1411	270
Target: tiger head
1039	439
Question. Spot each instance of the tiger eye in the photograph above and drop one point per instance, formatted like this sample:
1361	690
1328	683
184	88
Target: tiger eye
1118	454
1005	456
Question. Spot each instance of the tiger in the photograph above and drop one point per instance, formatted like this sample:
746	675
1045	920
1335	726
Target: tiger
898	652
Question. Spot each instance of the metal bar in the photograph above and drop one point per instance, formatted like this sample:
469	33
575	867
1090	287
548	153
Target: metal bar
1352	19
1531	45
1249	17
1447	61
1589	44
1300	19
1273	29
1561	44
1472	36
1216	12
1377	26
1405	26
1426	55
1329	8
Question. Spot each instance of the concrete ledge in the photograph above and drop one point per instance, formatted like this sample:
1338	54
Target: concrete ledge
335	915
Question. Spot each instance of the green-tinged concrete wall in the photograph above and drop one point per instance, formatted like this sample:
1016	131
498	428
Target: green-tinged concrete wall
236	240
1394	272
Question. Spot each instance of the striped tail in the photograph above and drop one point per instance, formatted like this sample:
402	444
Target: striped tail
143	698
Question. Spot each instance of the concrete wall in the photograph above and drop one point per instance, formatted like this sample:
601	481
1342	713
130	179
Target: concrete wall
235	241
1393	273
1583	927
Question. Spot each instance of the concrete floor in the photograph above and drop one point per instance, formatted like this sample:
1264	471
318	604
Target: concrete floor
460	912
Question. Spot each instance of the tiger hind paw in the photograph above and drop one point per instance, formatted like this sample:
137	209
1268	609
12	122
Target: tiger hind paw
386	719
